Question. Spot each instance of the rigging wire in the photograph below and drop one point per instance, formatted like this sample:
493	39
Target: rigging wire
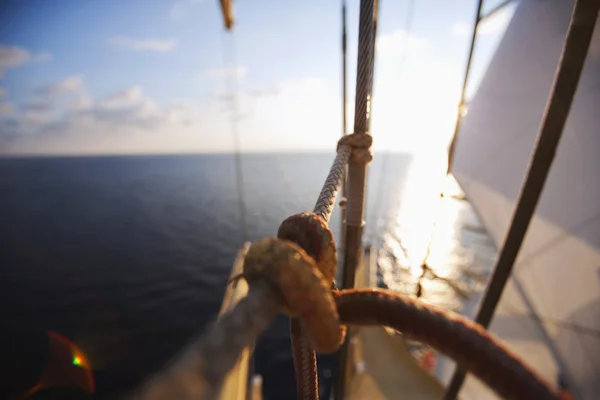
381	184
231	69
424	265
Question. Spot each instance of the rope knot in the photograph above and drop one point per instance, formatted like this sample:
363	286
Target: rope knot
311	233
300	288
360	144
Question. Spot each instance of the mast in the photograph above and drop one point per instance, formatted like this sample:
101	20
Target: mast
357	172
227	9
344	124
574	52
344	71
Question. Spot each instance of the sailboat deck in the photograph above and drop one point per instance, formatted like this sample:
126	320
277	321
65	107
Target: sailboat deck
389	370
382	368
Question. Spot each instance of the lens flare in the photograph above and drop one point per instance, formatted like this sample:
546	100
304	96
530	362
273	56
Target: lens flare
66	367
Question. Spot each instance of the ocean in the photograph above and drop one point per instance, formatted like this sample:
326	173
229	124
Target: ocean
127	257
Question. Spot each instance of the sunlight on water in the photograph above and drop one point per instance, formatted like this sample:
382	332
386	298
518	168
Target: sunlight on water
437	231
434	247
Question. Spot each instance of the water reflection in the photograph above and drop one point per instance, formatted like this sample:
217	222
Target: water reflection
434	247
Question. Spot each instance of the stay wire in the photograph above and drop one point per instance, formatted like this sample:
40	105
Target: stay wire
231	72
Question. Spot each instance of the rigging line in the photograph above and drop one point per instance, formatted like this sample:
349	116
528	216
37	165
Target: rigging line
571	326
232	89
567	76
380	184
456	128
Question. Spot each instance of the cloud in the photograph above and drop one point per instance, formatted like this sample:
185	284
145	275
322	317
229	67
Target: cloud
42	56
495	24
73	84
83	102
299	114
15	56
6	109
123	98
398	42
33	119
127	106
3	92
143	44
225	72
462	29
181	7
38	105
267	92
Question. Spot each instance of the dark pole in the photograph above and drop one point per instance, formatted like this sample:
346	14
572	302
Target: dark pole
344	70
344	124
575	49
356	171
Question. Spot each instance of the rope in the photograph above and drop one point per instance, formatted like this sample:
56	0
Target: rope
468	343
200	371
326	200
312	234
305	363
364	73
574	53
232	83
284	277
357	171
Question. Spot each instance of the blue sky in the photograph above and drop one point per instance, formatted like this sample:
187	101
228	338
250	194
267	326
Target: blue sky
151	76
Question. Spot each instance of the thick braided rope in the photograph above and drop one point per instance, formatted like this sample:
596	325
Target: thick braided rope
467	342
200	371
282	278
326	200
310	232
299	286
364	73
305	363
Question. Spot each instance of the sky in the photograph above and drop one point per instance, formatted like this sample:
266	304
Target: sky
163	76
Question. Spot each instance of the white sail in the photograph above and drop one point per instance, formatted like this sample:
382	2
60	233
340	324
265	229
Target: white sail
550	310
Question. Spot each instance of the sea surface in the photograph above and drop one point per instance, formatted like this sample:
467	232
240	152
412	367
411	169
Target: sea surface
128	257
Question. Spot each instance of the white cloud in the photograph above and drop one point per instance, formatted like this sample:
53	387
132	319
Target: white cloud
83	102
12	57
34	119
267	92
181	7
143	44
225	72
398	42
462	29
6	109
495	24
73	83
298	115
123	98
15	56
39	105
42	57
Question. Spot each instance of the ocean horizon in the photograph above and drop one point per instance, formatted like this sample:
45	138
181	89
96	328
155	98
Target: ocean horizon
128	256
